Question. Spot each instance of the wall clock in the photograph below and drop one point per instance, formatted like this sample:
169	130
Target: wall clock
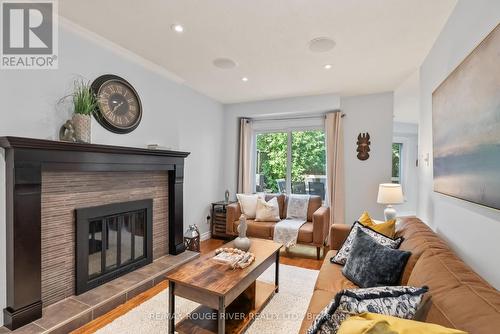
118	107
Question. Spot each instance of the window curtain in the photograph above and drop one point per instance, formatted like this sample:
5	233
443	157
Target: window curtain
245	157
335	167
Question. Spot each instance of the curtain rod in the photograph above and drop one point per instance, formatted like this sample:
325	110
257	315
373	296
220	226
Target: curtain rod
292	118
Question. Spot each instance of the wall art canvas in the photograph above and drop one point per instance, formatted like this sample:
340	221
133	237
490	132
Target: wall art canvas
466	127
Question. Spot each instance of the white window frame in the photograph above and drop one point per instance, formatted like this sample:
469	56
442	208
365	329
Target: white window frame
285	126
404	161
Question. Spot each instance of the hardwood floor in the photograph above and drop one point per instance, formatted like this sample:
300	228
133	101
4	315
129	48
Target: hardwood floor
300	256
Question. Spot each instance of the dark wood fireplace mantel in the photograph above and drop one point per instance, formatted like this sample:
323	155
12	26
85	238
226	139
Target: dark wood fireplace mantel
25	161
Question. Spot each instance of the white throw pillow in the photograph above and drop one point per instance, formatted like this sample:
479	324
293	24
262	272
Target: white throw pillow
248	204
267	211
297	207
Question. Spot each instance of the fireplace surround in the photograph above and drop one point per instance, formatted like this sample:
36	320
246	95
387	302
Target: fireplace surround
25	161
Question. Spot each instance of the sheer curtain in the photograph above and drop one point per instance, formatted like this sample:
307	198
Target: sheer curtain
245	156
335	166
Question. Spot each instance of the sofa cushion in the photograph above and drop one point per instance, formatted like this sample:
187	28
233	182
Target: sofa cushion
257	229
319	300
459	297
371	264
330	277
306	233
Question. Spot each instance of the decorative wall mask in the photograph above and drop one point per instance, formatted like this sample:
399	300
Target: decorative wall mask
363	146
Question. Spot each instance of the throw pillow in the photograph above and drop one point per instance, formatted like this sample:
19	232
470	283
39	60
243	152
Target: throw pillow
343	253
267	211
398	301
371	264
373	323
248	204
387	228
297	207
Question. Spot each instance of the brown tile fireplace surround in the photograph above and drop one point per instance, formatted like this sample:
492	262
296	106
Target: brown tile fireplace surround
47	183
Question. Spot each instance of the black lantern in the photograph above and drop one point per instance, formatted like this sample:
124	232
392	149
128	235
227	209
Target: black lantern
192	238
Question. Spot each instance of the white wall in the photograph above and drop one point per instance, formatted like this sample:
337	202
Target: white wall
372	114
470	229
174	116
406	100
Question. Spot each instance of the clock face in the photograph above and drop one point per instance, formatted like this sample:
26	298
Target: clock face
118	105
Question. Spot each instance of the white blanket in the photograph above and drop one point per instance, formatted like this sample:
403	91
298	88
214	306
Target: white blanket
286	231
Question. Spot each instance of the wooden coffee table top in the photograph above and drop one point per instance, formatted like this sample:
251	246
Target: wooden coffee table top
206	274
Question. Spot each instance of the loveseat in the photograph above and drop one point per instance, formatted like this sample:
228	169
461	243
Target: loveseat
314	232
459	298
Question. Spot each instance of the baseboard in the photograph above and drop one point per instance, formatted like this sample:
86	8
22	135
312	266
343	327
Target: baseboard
205	235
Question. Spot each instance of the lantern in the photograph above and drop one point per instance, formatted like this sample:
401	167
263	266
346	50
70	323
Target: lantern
192	238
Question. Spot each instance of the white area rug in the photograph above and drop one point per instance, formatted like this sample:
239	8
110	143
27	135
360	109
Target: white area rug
283	314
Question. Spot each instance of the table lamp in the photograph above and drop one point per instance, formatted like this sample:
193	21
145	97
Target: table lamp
389	194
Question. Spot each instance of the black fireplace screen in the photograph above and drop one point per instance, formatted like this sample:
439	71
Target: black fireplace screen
112	240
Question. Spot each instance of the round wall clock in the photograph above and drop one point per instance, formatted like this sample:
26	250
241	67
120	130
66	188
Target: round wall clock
118	107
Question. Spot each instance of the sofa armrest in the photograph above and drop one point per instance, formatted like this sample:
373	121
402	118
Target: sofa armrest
321	220
338	234
233	213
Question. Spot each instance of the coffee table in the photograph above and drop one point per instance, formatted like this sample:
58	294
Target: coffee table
230	298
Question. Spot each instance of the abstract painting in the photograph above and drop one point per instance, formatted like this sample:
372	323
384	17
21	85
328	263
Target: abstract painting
466	127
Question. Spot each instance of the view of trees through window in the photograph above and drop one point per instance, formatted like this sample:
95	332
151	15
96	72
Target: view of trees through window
396	162
303	172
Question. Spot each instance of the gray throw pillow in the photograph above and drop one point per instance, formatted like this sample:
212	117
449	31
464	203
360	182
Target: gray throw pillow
343	253
371	264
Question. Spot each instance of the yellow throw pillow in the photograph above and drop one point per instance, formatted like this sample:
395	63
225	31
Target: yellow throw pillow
372	323
387	228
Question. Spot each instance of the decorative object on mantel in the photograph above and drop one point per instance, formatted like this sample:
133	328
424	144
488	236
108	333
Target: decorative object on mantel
158	147
363	146
236	258
119	107
226	196
84	103
67	132
390	193
242	242
192	238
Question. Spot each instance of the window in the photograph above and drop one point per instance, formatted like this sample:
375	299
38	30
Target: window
291	161
397	149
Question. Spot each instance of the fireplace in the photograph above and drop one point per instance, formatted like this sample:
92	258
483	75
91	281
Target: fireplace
112	240
28	164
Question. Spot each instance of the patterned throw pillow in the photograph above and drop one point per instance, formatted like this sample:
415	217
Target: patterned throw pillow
397	301
343	253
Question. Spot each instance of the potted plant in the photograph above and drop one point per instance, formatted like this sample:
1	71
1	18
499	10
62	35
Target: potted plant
84	103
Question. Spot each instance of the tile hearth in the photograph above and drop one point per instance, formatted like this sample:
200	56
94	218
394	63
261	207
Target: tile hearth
74	312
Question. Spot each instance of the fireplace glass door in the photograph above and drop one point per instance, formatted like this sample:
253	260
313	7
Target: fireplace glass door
116	242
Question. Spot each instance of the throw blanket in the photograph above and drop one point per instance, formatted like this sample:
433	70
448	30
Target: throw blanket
287	231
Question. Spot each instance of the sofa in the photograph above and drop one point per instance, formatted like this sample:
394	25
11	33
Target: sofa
314	232
459	298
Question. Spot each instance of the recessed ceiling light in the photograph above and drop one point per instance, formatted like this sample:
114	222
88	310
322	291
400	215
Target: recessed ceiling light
177	28
224	63
321	44
327	66
245	79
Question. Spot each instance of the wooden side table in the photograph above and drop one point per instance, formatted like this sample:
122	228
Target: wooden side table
218	222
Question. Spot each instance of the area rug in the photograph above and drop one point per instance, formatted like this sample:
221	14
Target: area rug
283	314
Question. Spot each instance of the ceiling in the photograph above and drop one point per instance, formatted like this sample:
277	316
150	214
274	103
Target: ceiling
378	42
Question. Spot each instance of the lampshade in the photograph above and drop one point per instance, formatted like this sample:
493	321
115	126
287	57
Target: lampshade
390	193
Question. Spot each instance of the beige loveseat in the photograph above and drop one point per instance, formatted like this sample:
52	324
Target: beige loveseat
314	232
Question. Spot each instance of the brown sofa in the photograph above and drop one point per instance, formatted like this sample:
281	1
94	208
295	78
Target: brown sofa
313	233
460	298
